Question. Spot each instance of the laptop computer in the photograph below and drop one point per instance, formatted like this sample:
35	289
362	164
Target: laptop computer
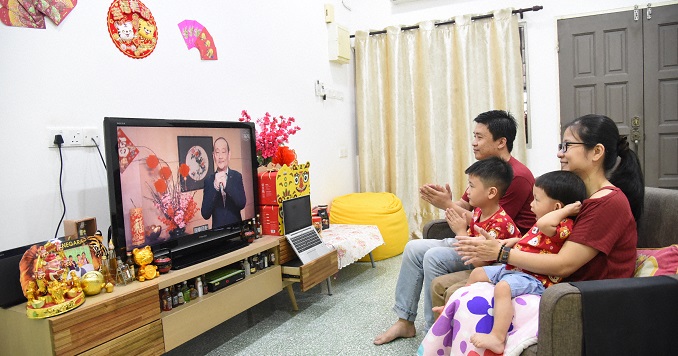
299	229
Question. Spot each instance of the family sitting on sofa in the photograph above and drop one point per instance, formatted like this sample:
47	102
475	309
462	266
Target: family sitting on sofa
593	248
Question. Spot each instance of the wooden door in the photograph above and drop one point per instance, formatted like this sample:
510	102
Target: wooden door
661	96
601	68
625	65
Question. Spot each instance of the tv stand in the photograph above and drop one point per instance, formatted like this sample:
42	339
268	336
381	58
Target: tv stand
129	320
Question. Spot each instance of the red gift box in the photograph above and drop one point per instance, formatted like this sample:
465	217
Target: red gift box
267	190
270	224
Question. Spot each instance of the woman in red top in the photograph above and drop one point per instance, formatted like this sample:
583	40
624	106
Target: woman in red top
603	242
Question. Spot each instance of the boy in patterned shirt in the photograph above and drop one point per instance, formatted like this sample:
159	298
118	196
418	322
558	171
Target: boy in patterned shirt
557	197
488	180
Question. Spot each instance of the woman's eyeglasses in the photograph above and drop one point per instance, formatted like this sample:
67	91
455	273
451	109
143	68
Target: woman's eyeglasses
562	147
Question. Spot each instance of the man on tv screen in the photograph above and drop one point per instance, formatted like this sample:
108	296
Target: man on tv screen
223	193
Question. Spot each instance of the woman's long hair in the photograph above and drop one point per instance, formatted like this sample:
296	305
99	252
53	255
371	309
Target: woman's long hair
626	174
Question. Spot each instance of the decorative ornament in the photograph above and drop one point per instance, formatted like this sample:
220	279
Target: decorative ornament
48	285
196	36
32	13
132	28
143	258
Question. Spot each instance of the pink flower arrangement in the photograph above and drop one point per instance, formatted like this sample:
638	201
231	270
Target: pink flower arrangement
272	133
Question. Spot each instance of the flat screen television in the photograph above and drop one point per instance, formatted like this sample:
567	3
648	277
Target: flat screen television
167	187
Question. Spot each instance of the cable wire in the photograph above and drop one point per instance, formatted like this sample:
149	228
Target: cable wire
100	155
61	191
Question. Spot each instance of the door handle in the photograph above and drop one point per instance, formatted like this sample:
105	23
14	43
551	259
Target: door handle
635	130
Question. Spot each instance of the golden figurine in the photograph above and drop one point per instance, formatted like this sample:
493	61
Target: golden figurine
143	258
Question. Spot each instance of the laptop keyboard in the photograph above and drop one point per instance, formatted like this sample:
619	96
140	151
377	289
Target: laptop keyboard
306	240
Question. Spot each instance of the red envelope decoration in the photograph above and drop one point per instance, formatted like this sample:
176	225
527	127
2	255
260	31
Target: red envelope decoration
205	44
31	13
190	30
132	28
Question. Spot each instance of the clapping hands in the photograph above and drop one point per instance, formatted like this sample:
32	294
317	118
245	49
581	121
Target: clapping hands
220	181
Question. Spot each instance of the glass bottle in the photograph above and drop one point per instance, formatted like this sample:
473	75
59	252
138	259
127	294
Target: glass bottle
205	288
186	292
111	255
123	272
193	292
175	298
130	264
166	300
106	270
257	222
254	264
246	266
199	286
180	294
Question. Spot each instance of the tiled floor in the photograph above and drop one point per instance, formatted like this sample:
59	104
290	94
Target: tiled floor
344	323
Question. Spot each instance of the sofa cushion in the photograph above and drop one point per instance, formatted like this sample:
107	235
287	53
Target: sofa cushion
657	261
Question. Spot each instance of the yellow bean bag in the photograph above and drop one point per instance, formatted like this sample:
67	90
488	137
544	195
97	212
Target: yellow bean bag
382	209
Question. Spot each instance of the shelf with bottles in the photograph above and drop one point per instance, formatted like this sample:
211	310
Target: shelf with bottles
196	289
265	243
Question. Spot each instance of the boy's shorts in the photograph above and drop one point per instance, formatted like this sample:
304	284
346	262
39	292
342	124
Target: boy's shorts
519	282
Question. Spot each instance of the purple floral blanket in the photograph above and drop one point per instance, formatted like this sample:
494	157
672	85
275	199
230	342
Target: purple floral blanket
470	310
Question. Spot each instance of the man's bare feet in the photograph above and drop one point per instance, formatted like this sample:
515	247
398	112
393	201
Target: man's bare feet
488	341
401	328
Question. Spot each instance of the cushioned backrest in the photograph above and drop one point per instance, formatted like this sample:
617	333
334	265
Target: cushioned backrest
657	226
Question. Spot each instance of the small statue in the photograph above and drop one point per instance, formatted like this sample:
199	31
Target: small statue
143	258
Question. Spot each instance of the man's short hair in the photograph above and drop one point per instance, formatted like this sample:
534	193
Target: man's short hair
500	124
493	172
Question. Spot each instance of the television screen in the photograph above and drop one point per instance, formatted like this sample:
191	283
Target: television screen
180	185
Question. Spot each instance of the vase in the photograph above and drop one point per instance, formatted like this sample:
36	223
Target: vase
177	232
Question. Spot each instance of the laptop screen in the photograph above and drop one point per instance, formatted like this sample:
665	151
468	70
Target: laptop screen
297	213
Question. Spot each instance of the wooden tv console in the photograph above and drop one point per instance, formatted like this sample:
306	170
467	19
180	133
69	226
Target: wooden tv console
129	320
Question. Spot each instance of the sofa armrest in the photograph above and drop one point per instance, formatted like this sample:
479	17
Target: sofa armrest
437	229
560	321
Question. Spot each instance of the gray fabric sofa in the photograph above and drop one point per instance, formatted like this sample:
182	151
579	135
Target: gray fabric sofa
560	310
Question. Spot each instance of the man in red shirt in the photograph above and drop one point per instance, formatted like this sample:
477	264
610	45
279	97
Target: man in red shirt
425	259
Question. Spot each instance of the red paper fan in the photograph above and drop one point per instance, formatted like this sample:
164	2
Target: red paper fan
205	44
132	28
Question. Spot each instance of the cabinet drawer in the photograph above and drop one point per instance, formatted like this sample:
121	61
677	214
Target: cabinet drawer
105	317
312	273
146	340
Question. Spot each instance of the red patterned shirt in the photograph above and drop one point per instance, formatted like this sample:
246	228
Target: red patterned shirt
536	242
499	225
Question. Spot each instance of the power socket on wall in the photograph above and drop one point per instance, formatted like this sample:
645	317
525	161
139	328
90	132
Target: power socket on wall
75	137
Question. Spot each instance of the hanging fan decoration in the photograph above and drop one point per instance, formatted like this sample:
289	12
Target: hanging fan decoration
132	28
32	13
196	36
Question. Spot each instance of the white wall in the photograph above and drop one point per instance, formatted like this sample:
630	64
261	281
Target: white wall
270	55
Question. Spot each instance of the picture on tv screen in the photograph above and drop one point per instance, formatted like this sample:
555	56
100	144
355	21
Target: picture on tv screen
177	181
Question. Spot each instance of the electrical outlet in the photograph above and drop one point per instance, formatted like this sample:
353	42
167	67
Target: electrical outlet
89	134
72	137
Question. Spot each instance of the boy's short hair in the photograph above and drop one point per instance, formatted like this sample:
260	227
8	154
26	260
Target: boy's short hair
493	172
563	186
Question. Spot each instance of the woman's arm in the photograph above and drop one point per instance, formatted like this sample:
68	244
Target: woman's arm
570	258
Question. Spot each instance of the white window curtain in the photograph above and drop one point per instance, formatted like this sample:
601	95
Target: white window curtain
417	93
